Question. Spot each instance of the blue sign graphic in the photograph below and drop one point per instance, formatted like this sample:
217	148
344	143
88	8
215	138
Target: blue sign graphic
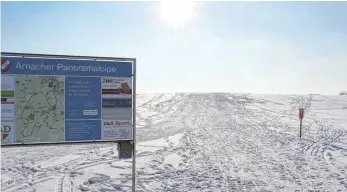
79	130
81	98
44	66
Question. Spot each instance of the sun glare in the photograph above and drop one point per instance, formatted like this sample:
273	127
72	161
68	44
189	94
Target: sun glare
177	13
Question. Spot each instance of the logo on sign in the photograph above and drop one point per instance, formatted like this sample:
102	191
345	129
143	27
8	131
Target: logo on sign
117	123
6	110
5	130
5	65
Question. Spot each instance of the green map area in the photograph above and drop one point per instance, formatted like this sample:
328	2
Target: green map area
39	108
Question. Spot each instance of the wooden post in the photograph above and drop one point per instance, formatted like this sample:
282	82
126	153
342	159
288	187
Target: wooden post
300	127
301	116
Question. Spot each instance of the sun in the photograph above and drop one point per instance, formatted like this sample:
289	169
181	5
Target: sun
177	13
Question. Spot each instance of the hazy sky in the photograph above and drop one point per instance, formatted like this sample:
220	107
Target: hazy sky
257	47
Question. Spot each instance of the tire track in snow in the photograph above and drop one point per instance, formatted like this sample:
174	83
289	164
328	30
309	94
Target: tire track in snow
201	133
230	144
66	181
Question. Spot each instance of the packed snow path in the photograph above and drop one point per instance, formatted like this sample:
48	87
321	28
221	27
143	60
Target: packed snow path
202	142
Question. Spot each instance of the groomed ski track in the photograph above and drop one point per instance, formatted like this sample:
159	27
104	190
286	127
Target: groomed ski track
202	142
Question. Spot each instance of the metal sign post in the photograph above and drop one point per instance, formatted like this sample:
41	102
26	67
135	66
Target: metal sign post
106	84
301	116
134	129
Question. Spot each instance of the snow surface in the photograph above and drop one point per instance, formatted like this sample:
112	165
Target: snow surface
201	142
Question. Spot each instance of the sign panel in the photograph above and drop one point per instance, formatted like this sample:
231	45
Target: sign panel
57	99
125	150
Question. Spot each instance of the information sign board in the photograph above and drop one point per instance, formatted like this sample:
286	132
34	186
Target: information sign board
54	98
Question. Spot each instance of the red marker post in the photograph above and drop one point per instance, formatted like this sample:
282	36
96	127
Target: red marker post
301	116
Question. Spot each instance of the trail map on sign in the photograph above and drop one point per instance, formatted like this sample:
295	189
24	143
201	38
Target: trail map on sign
39	108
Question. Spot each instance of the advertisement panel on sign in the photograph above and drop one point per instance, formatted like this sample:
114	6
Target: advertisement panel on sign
65	99
7	132
116	129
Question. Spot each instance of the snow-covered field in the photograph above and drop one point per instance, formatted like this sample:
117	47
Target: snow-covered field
202	142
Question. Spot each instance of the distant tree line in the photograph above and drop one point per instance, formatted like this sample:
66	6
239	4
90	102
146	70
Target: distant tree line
343	93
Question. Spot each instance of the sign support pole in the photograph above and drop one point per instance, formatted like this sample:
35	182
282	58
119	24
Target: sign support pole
134	129
300	127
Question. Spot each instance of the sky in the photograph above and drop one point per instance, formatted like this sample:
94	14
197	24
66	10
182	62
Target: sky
238	47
